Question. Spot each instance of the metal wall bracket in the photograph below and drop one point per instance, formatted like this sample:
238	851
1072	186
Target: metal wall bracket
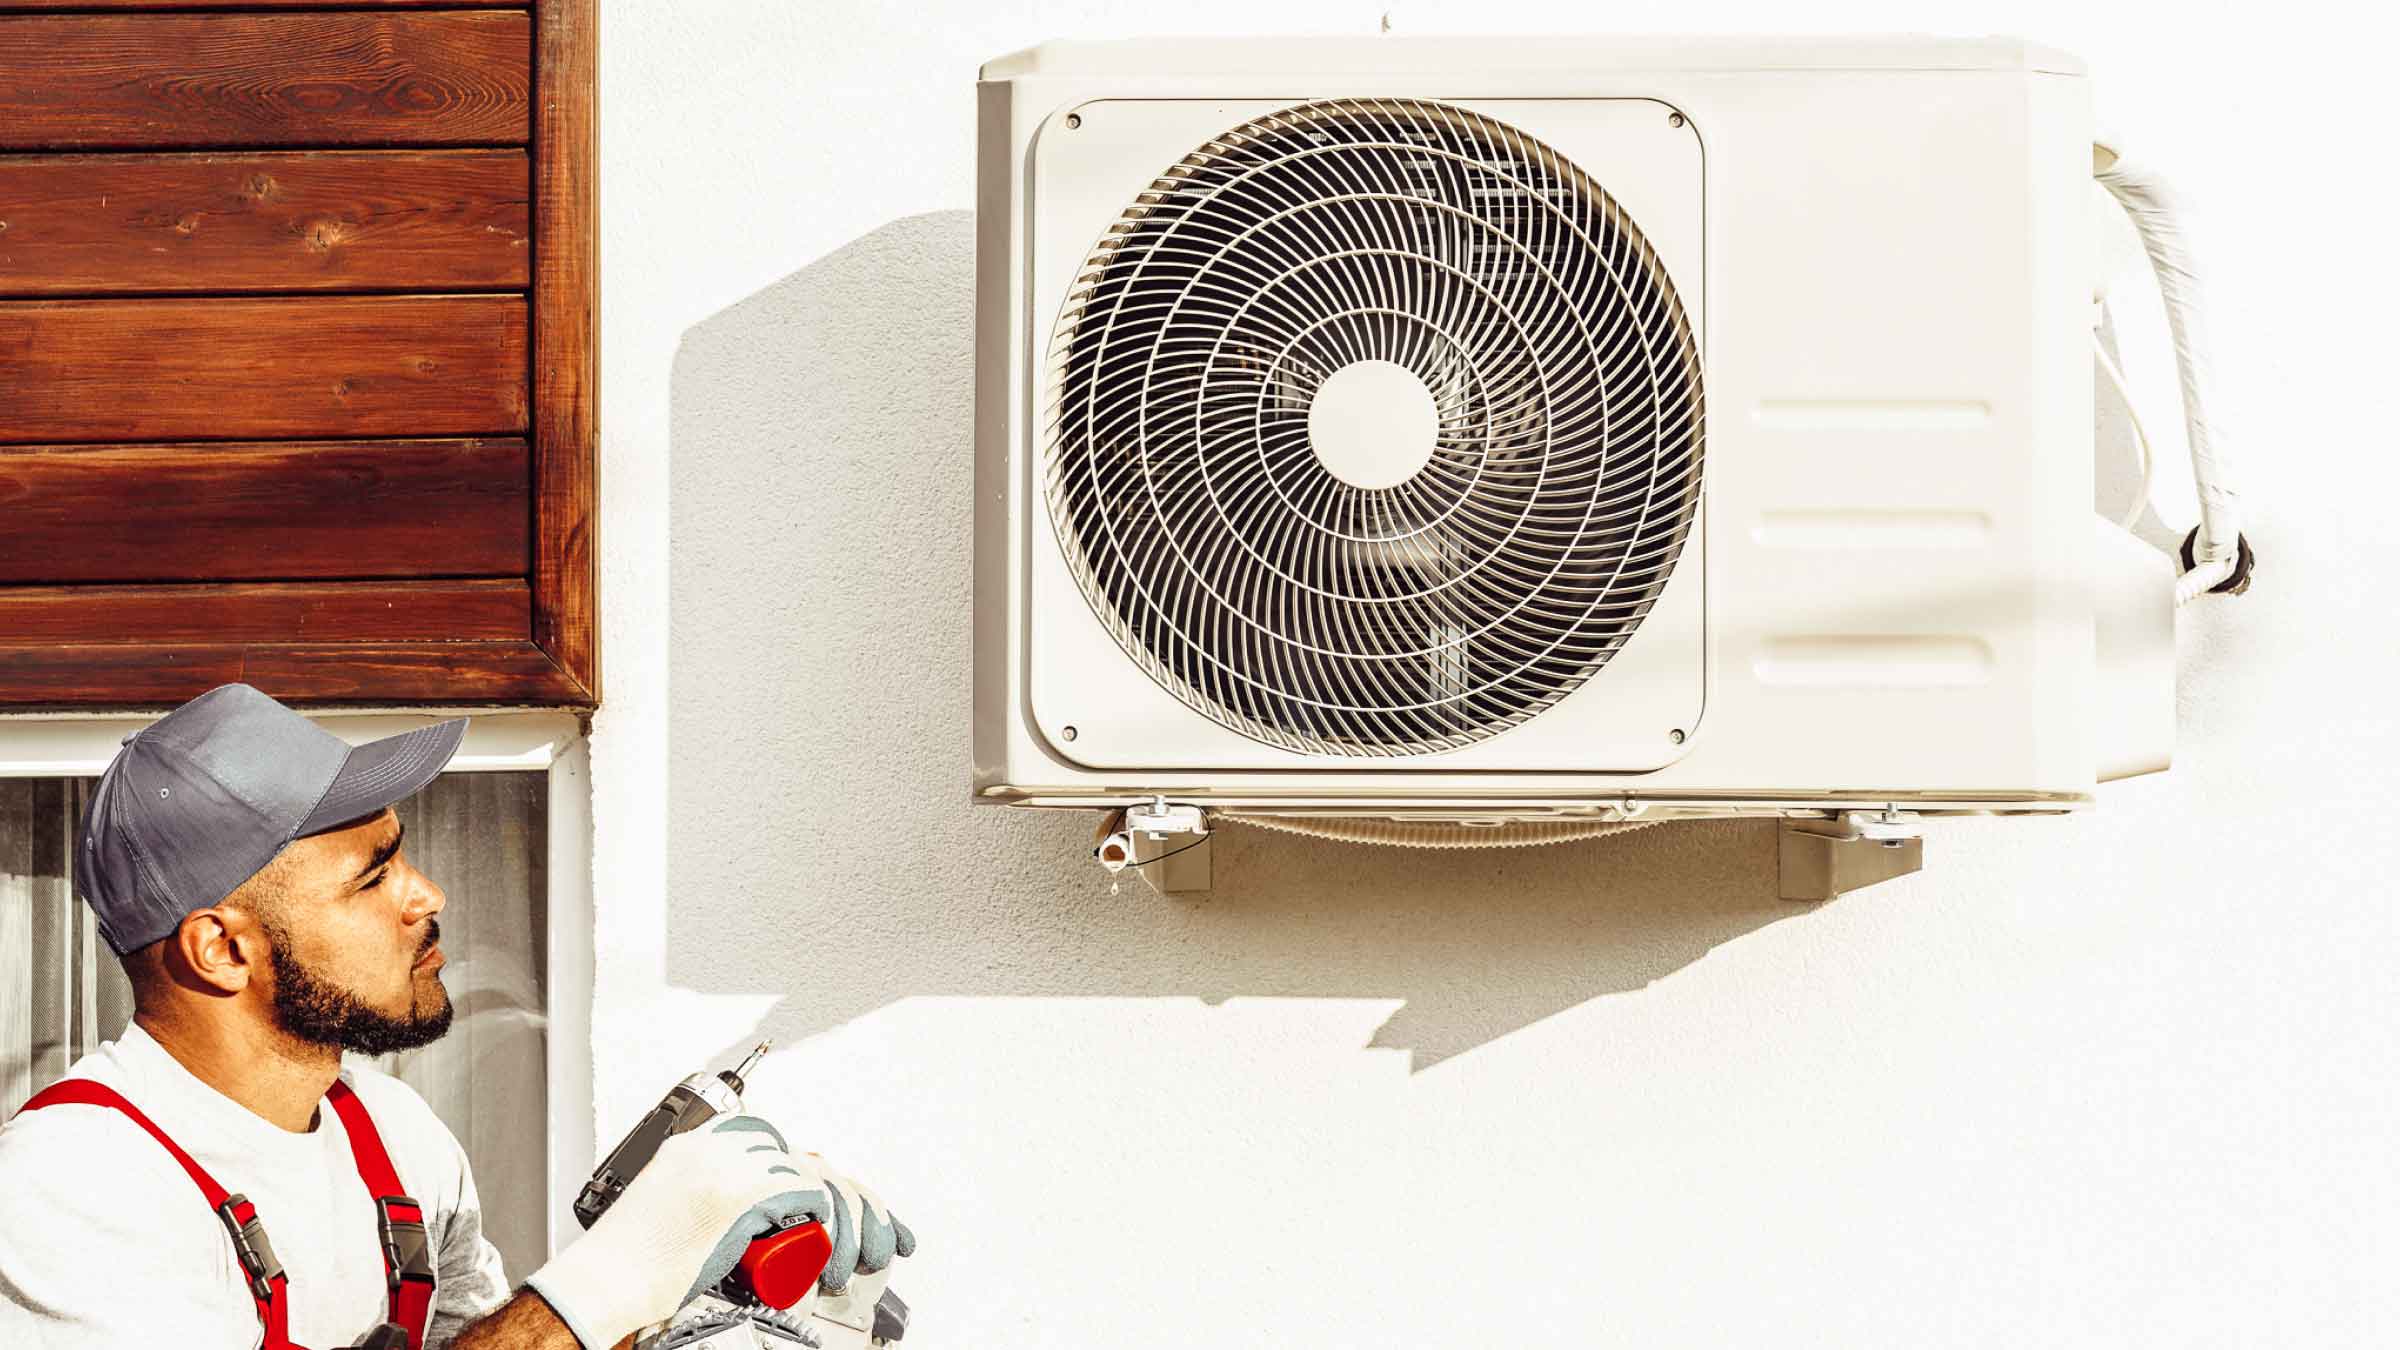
1187	871
1168	847
1820	859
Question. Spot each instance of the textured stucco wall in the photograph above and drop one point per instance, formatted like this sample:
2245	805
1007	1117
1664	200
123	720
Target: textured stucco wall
2123	1079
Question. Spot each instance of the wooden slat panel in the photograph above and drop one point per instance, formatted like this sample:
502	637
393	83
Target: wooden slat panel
428	220
125	675
566	339
320	79
106	370
39	6
325	611
250	512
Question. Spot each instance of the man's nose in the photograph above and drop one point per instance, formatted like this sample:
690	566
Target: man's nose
424	901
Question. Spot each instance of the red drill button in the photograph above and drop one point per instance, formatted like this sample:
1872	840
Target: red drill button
780	1267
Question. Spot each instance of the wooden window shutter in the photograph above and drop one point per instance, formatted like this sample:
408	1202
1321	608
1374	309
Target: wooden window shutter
298	351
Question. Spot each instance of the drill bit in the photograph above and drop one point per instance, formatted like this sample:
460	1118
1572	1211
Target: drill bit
738	1076
742	1070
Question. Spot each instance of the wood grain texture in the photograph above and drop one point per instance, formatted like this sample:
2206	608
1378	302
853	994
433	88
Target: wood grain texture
114	370
150	6
329	611
299	78
278	511
429	220
130	675
566	339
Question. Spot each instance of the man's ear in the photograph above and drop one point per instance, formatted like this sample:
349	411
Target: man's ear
222	948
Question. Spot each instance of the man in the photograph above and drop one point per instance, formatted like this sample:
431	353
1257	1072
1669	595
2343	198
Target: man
247	869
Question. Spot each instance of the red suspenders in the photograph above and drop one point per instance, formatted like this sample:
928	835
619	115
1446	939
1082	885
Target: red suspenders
399	1221
407	1251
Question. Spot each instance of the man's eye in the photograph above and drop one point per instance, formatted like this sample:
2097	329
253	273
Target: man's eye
373	884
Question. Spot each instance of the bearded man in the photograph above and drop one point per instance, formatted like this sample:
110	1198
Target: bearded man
248	870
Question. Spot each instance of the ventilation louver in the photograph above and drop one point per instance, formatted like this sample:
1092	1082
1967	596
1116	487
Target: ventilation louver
1376	428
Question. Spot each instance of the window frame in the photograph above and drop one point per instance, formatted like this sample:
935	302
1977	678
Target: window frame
564	581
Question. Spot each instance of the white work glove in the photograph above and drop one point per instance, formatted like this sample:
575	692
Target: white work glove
866	1236
684	1221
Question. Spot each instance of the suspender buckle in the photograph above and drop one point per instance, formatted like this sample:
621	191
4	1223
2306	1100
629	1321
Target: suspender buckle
251	1248
407	1249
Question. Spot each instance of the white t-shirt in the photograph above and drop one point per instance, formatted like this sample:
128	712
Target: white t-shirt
106	1244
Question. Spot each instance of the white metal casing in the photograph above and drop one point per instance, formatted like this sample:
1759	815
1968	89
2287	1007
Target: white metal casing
1884	249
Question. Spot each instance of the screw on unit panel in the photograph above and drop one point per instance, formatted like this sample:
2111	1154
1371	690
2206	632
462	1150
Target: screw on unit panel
1676	736
1674	119
1068	732
1074	120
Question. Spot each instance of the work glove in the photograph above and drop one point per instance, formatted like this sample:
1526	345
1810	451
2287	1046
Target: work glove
866	1236
683	1222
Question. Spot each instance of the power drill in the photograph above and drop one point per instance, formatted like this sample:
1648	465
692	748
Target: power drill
778	1269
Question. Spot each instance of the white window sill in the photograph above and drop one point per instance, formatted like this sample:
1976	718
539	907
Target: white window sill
80	745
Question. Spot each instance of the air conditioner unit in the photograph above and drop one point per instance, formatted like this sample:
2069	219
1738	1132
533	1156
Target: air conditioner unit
1548	435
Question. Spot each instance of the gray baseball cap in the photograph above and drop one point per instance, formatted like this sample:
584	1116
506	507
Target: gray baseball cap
197	802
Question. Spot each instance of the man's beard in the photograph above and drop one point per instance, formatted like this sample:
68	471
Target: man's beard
317	1011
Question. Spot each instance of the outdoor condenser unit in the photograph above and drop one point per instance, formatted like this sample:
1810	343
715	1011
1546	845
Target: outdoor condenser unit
1403	438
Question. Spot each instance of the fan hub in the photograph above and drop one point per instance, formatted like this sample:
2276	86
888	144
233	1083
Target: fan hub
1373	424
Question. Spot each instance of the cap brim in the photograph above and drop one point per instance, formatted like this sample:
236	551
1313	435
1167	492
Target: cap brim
380	773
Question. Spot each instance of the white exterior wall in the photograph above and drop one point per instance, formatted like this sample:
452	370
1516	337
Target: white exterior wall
2125	1078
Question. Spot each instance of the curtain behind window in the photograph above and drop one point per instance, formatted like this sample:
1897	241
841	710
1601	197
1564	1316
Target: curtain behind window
480	836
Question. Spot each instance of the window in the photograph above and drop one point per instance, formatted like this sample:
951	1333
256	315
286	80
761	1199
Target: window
481	836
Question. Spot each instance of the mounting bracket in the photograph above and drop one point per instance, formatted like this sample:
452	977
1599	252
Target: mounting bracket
1817	859
1167	846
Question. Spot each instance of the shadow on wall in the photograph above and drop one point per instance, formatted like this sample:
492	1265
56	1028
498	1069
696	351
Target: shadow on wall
821	843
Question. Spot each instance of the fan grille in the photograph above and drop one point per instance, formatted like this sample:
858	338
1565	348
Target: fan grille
1241	562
